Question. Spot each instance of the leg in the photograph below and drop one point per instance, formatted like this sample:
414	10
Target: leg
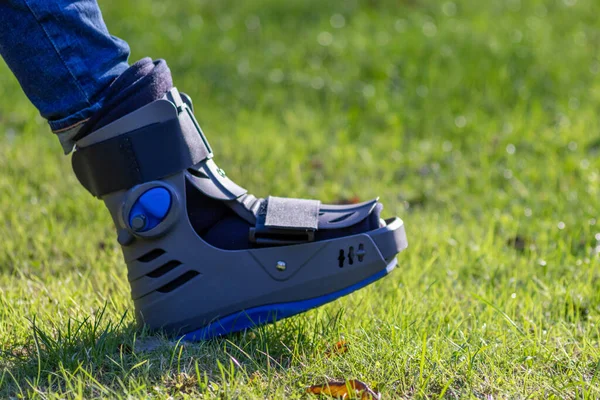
71	68
62	55
205	257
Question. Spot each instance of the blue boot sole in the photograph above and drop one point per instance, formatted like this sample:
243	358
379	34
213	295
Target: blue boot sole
262	315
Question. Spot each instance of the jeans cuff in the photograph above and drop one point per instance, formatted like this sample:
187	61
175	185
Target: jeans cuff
66	128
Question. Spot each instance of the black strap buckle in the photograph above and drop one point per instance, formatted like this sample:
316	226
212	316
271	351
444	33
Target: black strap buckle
273	237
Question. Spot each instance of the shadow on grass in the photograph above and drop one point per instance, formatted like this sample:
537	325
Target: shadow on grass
98	356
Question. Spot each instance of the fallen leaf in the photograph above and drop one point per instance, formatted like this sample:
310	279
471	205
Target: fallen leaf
352	389
18	352
340	347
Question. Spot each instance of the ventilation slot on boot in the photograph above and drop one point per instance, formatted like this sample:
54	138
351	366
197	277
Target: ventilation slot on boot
168	267
177	282
151	255
341	258
351	255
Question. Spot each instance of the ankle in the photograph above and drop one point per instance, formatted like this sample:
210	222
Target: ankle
142	83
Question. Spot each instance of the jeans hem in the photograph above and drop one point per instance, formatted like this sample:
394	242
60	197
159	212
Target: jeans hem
73	120
66	128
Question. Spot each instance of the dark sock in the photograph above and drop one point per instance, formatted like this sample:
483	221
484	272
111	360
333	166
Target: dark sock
142	83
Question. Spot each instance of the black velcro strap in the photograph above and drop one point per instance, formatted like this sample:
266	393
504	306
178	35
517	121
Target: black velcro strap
149	153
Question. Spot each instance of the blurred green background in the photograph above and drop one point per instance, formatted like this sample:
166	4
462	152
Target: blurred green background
475	121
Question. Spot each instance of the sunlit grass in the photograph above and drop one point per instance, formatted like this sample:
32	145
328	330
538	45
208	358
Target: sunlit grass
476	122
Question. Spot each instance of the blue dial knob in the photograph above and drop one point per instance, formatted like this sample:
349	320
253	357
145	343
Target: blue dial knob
150	209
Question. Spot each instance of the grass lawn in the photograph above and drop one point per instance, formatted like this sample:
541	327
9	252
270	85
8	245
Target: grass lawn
475	121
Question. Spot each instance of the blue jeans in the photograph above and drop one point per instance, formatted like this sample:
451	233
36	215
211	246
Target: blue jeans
62	55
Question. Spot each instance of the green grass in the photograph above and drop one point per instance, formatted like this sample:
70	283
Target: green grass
475	121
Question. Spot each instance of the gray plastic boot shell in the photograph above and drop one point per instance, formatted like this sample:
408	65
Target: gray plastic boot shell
230	281
180	283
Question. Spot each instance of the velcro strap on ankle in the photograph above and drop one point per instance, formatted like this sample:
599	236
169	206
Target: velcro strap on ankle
285	213
149	153
286	221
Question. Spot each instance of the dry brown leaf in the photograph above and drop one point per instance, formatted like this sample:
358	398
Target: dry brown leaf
352	389
340	347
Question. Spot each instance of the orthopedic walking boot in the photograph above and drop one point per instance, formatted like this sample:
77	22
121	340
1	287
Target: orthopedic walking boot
205	257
